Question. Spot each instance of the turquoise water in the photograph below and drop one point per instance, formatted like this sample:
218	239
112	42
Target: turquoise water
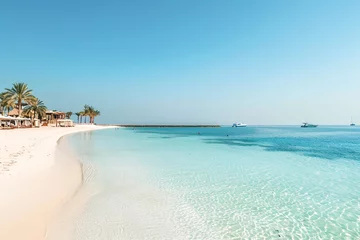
221	183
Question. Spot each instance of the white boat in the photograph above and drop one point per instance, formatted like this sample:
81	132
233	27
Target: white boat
239	125
308	125
352	124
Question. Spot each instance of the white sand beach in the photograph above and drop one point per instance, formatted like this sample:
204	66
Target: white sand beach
34	184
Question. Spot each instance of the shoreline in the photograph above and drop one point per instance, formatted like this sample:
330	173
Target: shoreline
36	179
162	126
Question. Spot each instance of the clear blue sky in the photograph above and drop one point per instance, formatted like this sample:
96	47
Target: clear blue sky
163	61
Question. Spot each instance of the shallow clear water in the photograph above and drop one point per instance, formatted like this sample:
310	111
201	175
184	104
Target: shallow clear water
224	183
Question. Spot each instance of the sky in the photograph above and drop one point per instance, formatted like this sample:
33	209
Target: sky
188	62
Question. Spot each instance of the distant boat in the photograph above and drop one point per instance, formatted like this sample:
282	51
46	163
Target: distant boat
239	125
308	125
352	124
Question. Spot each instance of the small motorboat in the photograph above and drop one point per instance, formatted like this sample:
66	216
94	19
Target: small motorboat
352	124
308	125
239	125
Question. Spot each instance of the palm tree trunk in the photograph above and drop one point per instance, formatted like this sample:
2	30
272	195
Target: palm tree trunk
32	118
19	107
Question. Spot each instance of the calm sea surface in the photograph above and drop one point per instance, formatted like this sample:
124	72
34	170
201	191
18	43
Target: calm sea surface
223	183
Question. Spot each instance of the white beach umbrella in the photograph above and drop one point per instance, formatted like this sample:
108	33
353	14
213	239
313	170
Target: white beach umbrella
6	118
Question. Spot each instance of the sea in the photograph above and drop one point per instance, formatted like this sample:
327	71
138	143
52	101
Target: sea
265	182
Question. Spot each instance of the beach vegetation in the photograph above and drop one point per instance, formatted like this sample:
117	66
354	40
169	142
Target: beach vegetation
68	115
93	113
6	104
78	117
20	101
82	114
36	109
20	94
88	111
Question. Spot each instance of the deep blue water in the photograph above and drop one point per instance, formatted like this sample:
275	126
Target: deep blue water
331	142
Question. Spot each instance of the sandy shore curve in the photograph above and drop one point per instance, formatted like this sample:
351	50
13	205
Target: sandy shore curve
36	179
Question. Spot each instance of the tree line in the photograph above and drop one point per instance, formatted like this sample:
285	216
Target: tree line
88	111
20	97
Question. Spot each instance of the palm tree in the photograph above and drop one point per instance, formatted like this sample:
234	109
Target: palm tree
92	113
3	103
36	108
68	115
78	116
81	115
95	114
87	110
6	103
19	93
